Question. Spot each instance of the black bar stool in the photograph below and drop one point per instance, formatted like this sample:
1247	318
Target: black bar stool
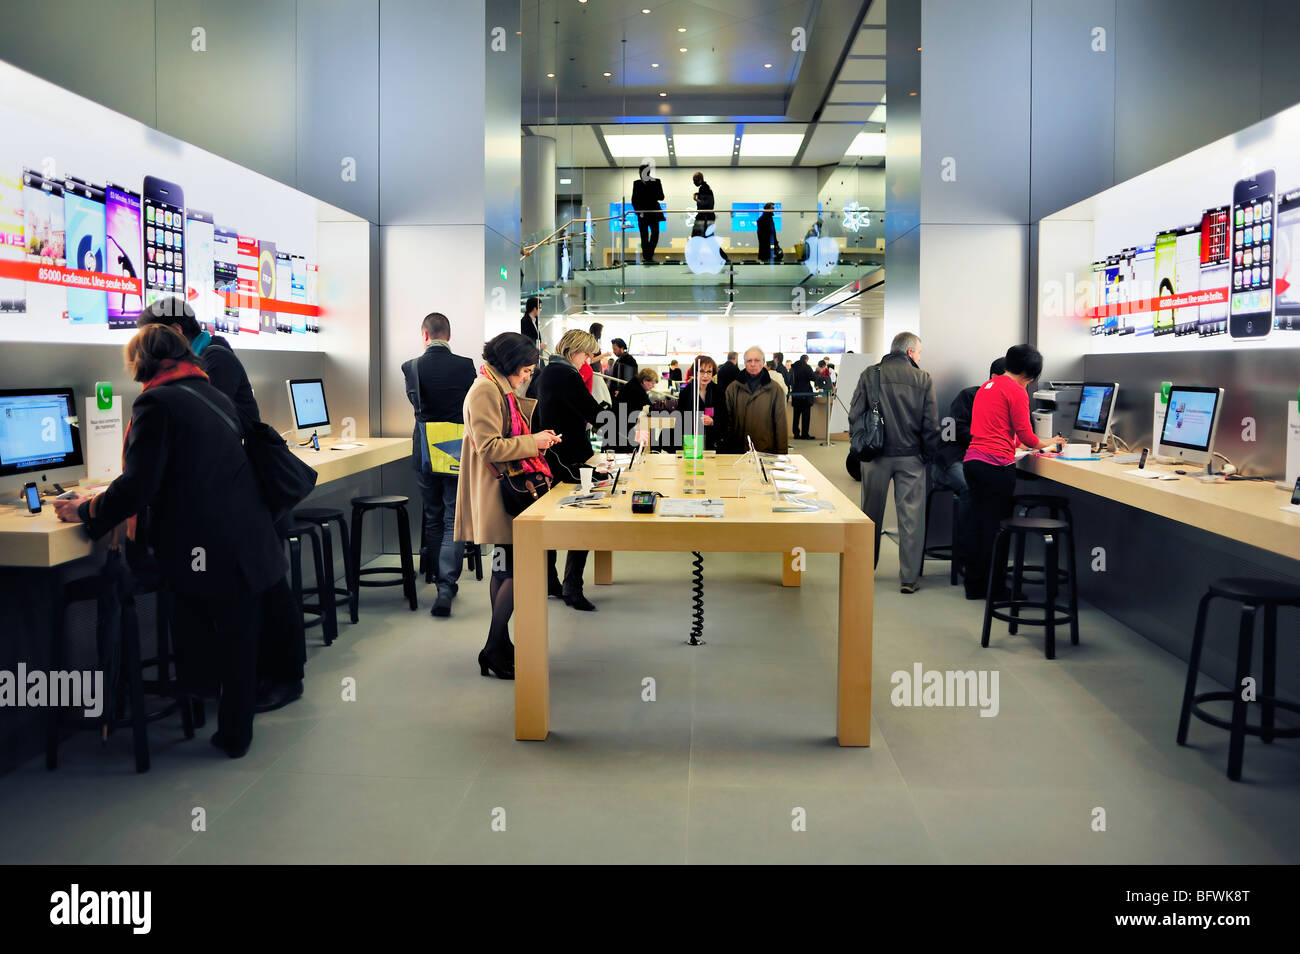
941	551
131	676
1058	508
1009	610
1252	594
405	576
323	517
428	561
322	611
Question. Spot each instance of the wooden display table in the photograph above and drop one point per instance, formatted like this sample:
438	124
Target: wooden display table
749	526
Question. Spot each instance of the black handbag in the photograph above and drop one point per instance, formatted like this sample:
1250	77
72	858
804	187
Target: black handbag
284	479
868	434
519	491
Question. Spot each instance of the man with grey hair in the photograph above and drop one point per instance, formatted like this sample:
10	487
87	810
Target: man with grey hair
756	408
911	416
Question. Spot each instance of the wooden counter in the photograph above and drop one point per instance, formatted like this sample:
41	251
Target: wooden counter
1244	510
43	541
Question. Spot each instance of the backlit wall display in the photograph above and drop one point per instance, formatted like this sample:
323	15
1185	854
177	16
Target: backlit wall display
1200	253
745	216
622	218
100	215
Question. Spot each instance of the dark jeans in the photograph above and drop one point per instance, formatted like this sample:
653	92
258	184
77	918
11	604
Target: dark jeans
282	644
217	644
438	494
649	237
992	489
574	566
802	415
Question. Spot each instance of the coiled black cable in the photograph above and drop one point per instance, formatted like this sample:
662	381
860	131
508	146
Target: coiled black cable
697	599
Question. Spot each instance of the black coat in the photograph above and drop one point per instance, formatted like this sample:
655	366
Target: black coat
530	328
625	368
704	196
714	434
436	384
209	525
766	236
728	371
803	384
646	197
564	405
226	373
631	400
952	451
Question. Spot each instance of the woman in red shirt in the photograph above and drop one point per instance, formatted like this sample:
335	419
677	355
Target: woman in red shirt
999	424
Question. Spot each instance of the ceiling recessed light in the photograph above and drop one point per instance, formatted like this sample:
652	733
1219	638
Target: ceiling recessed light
767	66
654	66
645	9
566	182
918	49
681	49
911	94
681	29
606	74
663	94
771	144
703	145
550	76
634	145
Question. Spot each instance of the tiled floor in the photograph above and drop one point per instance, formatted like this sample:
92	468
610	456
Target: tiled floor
736	749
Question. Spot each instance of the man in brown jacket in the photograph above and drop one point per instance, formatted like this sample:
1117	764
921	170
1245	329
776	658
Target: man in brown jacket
756	408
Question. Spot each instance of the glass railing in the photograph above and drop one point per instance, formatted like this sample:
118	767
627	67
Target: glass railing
706	260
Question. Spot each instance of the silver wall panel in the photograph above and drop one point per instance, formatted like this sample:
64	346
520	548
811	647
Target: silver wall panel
502	79
1187	72
1072	114
1280	65
102	51
432	112
975	111
237	98
903	131
338	102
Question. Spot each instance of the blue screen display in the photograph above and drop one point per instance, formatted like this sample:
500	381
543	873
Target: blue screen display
746	216
628	221
34	430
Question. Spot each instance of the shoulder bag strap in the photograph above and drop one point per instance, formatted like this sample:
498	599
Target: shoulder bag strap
239	432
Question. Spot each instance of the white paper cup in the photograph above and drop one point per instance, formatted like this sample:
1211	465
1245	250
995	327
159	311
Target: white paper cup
1077	450
584	474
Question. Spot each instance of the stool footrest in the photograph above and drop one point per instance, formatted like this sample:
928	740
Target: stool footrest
999	606
1248	728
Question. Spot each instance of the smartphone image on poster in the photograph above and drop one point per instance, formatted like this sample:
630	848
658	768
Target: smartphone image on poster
1215	255
198	262
86	223
43	232
1187	276
1286	262
1164	280
123	253
164	239
298	279
266	285
13	291
249	318
1250	302
225	278
284	287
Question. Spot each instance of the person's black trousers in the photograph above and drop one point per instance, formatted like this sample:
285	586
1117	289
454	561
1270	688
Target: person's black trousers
802	415
649	237
217	642
992	490
575	564
282	640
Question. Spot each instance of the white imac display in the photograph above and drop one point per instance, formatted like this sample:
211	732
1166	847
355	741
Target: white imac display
307	404
1191	420
1092	421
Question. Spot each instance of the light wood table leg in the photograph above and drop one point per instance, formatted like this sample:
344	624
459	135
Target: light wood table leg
604	567
532	663
789	575
857	596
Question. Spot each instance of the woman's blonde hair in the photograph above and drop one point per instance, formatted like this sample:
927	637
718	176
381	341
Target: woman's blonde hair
571	342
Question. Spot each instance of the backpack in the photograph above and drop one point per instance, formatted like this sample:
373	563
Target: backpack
867	436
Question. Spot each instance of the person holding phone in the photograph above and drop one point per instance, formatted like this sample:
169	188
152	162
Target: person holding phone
1000	423
498	425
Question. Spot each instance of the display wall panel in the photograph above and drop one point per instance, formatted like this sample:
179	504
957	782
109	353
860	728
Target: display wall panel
109	59
1072	113
1280	67
237	96
1186	73
337	152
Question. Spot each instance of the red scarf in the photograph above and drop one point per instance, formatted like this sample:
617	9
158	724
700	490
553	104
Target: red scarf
517	428
170	370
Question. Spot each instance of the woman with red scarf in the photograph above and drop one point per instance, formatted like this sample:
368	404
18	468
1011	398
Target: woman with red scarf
498	441
211	532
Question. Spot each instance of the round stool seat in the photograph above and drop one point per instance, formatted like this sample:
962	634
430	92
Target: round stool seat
381	500
1034	525
1247	589
317	514
297	527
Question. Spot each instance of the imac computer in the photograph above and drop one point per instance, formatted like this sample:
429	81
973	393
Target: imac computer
307	403
1191	420
39	436
1092	420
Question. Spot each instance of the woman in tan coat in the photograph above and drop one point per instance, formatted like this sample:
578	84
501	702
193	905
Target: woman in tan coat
497	425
